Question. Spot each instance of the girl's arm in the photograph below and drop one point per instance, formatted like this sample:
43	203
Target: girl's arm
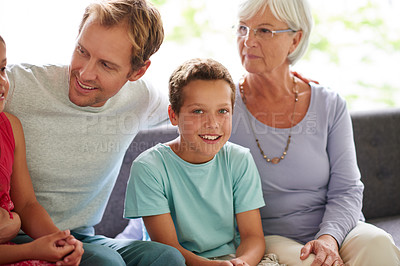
161	229
252	243
43	248
9	227
35	221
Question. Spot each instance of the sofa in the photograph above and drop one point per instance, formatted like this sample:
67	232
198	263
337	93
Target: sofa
377	140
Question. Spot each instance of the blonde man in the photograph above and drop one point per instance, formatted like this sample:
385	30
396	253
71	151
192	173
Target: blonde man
80	119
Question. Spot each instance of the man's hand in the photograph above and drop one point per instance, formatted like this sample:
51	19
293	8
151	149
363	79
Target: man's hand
46	247
74	258
326	251
300	76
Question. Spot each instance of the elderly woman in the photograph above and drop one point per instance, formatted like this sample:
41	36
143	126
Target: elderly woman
301	138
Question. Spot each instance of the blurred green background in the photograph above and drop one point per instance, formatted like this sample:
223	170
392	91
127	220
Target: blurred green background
354	48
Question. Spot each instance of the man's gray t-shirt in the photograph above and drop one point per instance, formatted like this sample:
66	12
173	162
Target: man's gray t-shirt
74	153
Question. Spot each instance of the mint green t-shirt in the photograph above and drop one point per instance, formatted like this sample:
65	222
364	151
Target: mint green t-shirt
201	198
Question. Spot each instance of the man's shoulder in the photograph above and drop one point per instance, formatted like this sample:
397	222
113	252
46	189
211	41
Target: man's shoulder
26	67
21	72
142	83
132	90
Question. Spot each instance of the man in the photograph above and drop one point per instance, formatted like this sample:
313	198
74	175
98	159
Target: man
80	119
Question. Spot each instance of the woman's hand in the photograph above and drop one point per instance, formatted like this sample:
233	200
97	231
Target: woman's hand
326	251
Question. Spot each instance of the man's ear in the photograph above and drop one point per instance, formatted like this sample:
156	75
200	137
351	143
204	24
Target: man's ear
140	72
173	117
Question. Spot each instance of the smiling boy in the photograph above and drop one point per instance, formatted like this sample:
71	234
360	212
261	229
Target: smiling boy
192	191
204	120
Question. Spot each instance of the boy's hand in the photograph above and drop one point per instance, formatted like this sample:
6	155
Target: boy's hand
233	262
239	262
219	263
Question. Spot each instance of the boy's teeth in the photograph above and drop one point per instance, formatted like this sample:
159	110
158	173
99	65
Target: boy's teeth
209	137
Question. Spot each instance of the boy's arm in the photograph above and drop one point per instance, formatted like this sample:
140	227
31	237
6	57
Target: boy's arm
252	243
161	229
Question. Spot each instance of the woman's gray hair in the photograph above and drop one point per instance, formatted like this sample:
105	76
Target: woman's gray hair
295	13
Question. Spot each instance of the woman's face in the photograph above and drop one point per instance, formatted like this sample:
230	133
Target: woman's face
266	55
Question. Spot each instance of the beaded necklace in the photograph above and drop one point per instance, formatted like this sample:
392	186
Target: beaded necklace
274	160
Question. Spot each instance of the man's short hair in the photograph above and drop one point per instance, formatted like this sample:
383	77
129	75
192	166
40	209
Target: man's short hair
145	27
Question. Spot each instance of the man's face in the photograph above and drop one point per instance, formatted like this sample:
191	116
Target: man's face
100	64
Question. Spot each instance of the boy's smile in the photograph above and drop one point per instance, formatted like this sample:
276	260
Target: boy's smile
204	120
211	138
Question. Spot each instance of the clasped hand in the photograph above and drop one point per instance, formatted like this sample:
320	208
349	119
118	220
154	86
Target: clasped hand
60	247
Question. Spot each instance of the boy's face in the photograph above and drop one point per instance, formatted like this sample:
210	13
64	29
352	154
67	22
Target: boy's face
100	64
4	84
204	120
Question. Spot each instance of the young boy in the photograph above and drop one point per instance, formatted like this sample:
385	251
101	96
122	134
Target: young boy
195	191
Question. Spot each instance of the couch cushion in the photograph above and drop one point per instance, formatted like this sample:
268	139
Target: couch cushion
377	139
112	222
389	224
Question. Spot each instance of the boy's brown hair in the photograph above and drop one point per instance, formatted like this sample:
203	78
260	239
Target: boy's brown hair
196	69
145	27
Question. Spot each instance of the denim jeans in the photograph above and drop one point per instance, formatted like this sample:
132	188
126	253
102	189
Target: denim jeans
100	250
